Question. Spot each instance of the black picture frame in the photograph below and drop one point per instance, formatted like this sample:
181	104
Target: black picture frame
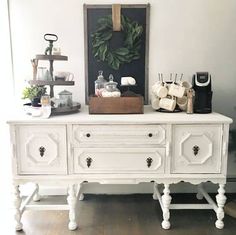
137	68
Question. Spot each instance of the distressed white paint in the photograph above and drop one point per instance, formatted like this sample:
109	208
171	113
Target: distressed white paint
122	162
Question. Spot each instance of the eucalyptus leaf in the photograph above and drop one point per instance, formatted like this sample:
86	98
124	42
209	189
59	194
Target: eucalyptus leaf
98	43
116	63
109	58
102	28
121	58
136	57
106	36
122	51
104	51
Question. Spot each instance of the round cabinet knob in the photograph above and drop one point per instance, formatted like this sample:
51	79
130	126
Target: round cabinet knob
149	161
150	134
88	135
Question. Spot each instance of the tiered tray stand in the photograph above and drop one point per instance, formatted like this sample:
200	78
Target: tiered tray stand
51	83
51	58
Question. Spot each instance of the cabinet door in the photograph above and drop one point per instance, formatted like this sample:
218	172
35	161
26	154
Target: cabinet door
125	160
41	149
196	149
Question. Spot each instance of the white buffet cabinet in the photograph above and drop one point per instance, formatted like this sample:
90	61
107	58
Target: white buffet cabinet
164	148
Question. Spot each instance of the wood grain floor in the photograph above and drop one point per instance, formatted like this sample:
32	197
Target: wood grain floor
124	215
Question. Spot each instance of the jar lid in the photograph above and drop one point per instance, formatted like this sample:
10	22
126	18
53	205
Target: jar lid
65	92
111	81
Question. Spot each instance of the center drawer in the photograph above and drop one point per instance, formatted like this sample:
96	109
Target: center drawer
113	135
119	160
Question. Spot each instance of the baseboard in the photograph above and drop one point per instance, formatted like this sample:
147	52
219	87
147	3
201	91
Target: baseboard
231	179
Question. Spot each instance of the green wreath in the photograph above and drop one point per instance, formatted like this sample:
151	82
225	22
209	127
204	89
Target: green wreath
131	46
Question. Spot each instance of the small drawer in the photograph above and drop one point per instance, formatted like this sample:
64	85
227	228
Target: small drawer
196	149
114	135
119	160
41	149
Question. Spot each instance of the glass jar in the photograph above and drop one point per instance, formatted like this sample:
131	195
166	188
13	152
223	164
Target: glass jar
111	89
99	83
43	74
65	98
45	106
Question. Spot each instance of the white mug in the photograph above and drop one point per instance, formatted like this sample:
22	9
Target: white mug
176	90
167	103
182	103
64	76
155	102
161	90
155	87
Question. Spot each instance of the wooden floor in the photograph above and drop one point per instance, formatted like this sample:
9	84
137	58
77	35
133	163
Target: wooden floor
125	215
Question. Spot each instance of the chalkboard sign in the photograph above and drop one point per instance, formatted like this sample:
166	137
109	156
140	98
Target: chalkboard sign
137	68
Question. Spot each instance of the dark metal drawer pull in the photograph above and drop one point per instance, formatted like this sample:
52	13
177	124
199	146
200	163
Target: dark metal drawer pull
42	151
150	134
88	135
89	161
196	149
149	161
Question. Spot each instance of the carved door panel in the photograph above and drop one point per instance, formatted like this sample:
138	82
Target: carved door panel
196	149
41	150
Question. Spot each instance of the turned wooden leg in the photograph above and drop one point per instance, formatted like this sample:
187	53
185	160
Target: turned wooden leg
166	200
36	197
154	196
17	204
78	193
199	195
71	199
220	199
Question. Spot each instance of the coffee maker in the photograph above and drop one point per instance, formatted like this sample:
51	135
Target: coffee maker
203	93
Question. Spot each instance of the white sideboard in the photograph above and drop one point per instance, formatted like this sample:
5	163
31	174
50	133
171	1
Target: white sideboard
164	148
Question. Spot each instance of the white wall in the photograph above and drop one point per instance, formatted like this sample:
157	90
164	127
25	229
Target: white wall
6	98
185	36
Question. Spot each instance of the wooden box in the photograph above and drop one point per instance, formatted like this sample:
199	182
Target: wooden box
116	105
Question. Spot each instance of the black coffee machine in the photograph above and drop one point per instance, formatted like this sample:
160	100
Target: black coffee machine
203	93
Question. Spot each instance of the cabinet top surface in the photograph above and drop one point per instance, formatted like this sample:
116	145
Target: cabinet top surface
149	117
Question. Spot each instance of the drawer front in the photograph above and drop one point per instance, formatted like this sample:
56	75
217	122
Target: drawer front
196	149
100	160
41	150
90	135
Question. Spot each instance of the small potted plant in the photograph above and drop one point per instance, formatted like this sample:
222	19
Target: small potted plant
34	93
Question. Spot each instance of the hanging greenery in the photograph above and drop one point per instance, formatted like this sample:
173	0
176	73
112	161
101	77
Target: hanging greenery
131	46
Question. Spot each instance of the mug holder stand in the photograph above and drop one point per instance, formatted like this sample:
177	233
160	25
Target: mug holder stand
176	110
